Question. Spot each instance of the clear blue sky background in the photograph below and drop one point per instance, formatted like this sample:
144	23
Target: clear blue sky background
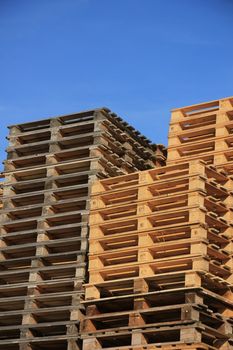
138	57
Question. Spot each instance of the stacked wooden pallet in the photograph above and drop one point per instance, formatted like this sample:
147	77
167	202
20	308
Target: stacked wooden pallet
160	261
44	221
203	131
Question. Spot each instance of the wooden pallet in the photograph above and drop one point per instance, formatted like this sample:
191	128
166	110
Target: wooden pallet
165	336
144	311
160	281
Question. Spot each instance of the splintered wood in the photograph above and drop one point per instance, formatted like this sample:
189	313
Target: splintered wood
49	170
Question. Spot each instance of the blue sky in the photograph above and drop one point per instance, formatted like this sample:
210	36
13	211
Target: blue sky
140	58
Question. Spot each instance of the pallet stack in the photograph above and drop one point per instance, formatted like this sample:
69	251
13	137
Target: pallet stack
44	220
157	242
160	261
203	131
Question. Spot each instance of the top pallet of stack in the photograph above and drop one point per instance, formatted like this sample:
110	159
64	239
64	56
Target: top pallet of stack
201	109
